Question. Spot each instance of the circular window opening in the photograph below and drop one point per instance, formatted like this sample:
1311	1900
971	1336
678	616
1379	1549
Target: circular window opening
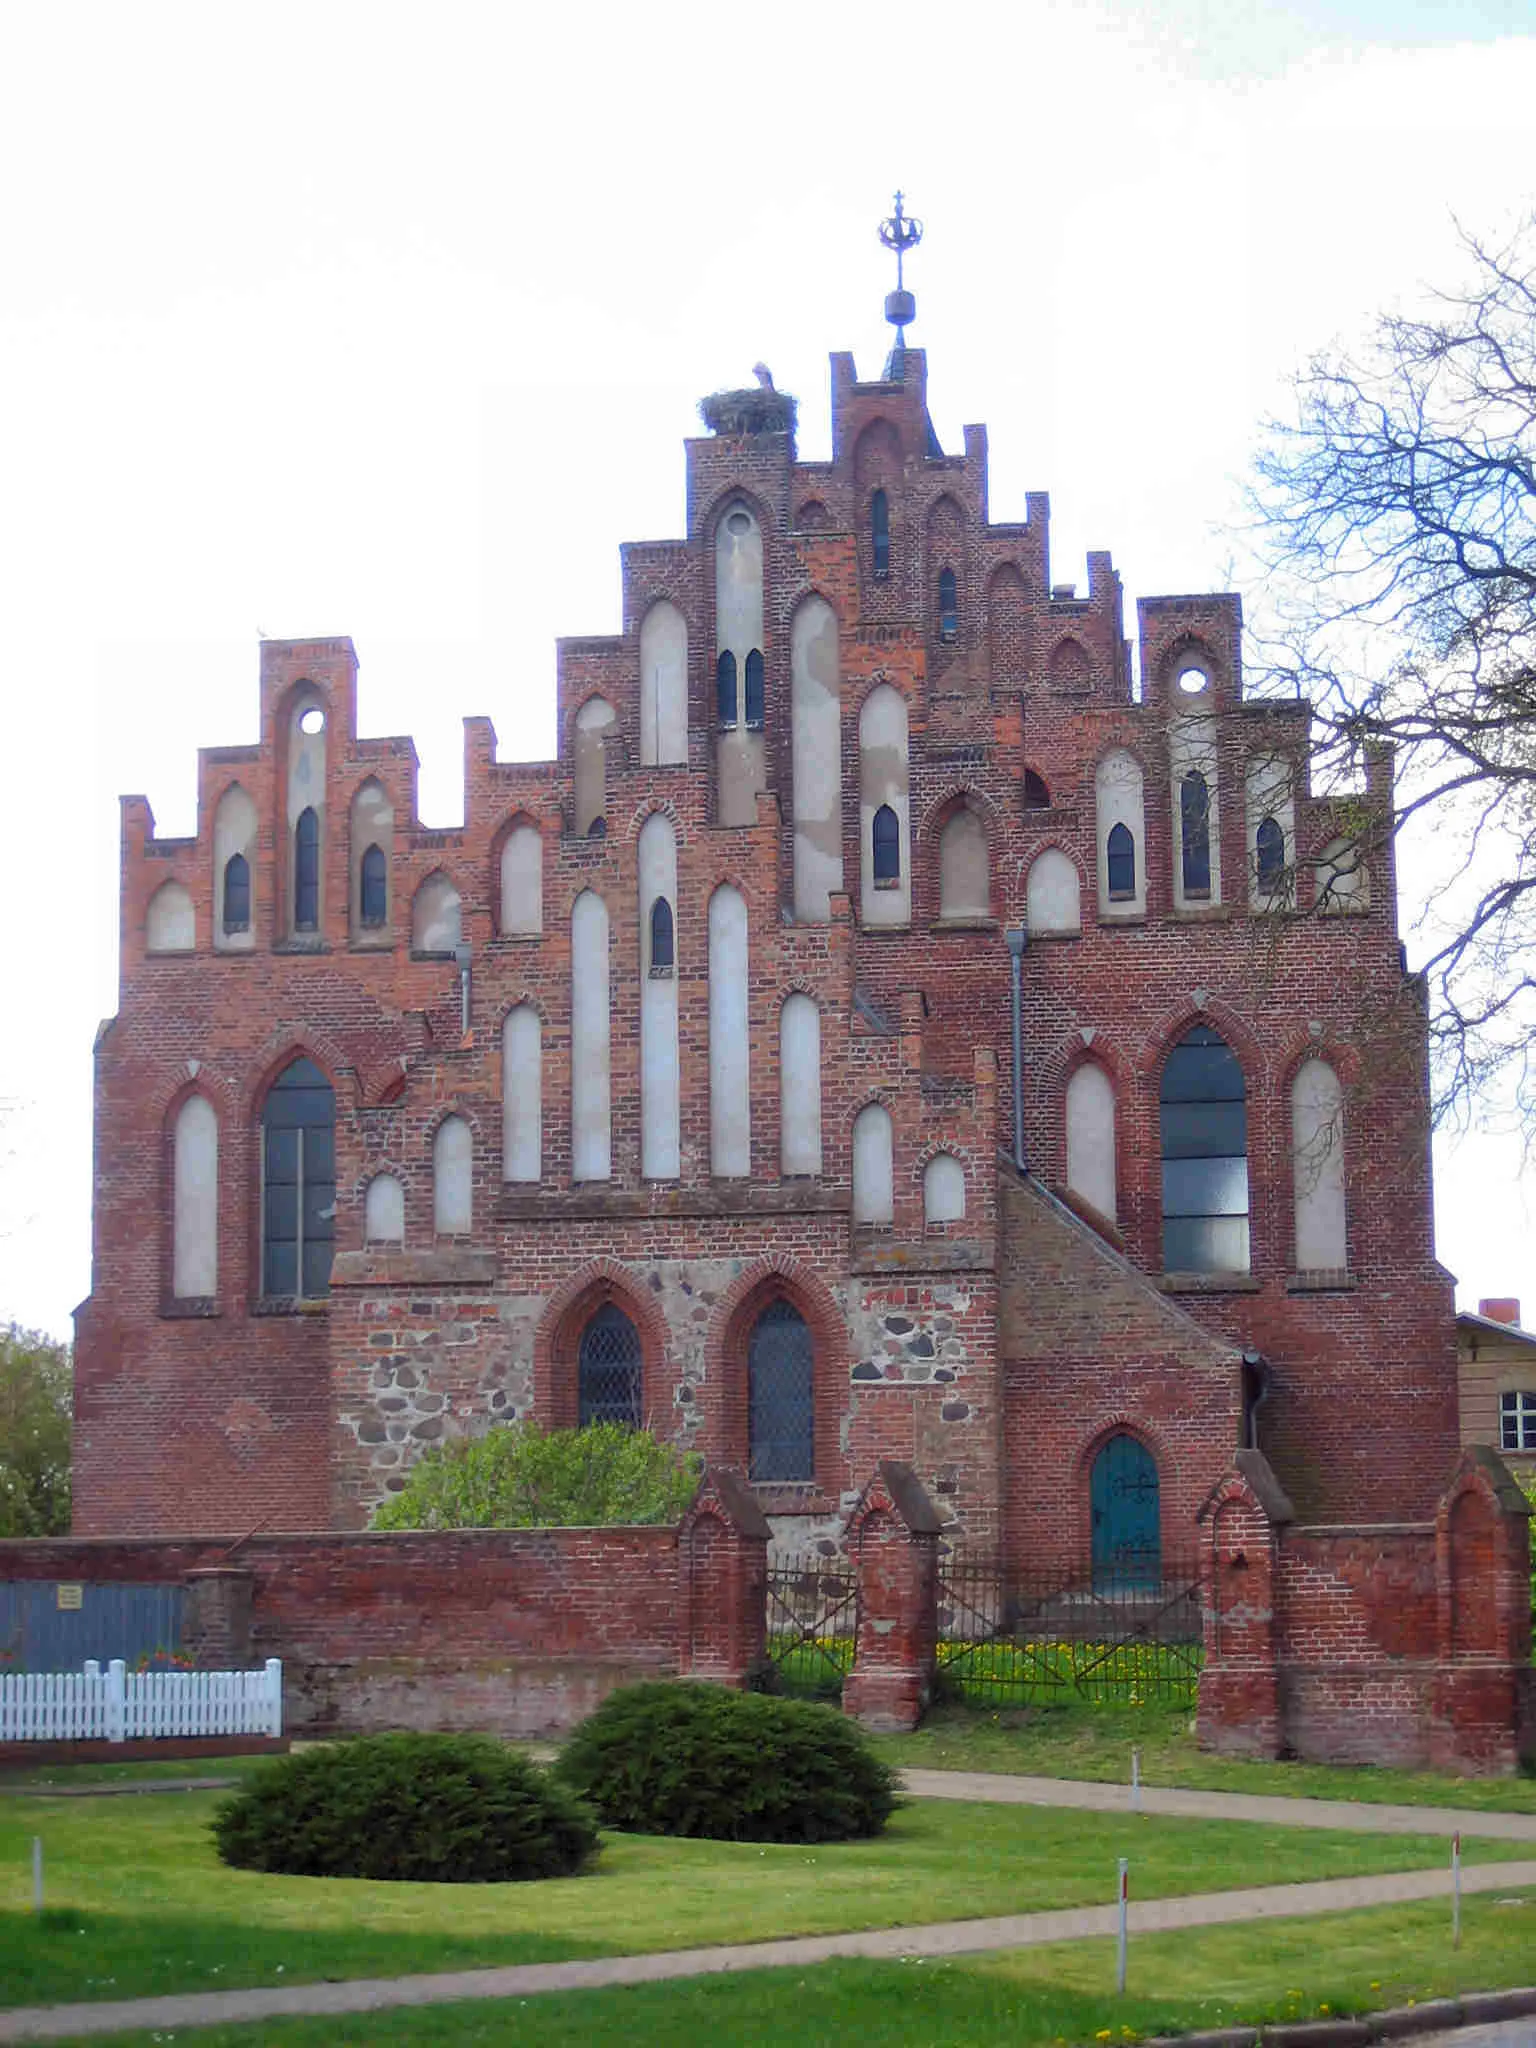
1193	680
312	720
738	522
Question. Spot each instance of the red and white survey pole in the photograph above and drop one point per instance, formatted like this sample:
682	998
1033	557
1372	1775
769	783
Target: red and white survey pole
1456	1889
1125	1893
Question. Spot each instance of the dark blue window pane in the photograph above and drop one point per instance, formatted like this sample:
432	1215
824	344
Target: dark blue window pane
1205	1130
661	933
886	845
374	891
1120	853
1205	1187
949	606
306	872
880	532
725	687
1204	1144
1270	847
237	893
780	1380
299	1176
1195	820
754	682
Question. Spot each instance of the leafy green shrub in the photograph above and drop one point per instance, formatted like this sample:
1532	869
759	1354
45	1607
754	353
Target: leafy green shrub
666	1759
519	1477
444	1809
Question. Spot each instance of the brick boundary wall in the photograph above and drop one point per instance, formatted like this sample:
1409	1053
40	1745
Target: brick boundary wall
520	1632
1406	1644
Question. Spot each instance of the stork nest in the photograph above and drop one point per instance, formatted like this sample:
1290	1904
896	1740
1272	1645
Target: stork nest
753	411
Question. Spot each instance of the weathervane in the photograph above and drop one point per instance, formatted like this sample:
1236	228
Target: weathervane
900	233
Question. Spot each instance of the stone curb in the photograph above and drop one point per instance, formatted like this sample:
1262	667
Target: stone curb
1397	2023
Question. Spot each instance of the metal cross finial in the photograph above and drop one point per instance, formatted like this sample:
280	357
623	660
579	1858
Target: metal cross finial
900	233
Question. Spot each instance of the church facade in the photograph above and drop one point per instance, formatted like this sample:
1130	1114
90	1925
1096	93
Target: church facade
881	1031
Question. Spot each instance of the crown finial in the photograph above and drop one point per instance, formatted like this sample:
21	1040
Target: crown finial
900	233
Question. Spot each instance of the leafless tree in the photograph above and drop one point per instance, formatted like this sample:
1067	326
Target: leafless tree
1395	517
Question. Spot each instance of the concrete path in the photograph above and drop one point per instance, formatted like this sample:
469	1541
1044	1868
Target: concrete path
1358	1817
945	1938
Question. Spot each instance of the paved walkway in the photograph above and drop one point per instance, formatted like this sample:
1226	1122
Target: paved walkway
1356	1816
943	1938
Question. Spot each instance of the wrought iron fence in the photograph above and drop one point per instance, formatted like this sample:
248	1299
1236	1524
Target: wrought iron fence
1119	1638
813	1614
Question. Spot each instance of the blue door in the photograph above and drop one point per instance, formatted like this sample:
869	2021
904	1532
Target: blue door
1127	1540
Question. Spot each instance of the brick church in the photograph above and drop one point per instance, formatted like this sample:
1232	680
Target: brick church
886	1028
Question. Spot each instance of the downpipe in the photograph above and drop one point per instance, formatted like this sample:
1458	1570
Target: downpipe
1018	939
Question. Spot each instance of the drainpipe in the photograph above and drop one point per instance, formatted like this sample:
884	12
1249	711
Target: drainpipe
1018	939
461	955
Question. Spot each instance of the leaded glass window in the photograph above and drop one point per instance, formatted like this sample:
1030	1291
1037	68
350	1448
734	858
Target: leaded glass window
298	1184
662	946
780	1425
608	1371
754	682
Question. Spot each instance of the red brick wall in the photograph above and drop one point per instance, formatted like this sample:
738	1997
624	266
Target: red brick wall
1405	1644
994	1379
520	1631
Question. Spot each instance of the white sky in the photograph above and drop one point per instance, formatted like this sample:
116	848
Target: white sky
345	318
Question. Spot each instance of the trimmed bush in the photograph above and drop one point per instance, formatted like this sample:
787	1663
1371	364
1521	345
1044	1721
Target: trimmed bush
439	1809
663	1759
518	1477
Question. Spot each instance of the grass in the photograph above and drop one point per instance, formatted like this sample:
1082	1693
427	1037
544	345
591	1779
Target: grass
140	1904
71	1777
1096	1743
1035	1998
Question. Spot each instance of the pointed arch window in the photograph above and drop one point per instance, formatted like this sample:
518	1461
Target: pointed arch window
1120	862
886	847
663	949
781	1441
949	606
237	893
755	692
306	871
298	1184
1036	795
373	896
609	1370
1204	1127
1195	833
725	687
880	532
1269	851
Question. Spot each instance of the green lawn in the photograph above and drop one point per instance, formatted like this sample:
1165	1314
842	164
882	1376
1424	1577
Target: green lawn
1034	1998
1096	1743
139	1903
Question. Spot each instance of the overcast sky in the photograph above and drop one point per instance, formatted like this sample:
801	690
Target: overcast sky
359	319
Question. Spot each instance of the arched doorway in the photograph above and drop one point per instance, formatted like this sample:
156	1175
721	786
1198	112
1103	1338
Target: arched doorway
1127	1535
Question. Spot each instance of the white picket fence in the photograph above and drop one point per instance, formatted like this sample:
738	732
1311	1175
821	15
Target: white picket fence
118	1705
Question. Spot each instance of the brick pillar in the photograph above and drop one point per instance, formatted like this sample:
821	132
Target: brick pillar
1240	1711
216	1618
722	1565
893	1538
1483	1707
